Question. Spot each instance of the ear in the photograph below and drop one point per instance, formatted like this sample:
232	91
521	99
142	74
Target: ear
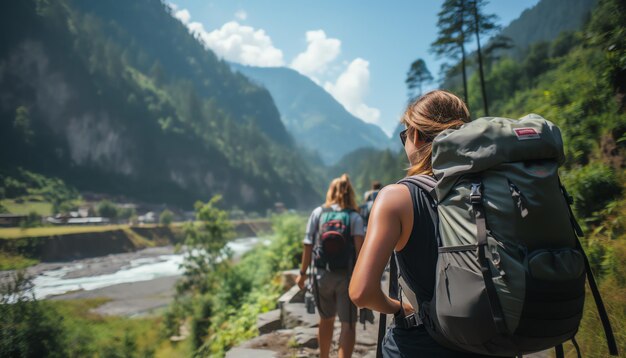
416	137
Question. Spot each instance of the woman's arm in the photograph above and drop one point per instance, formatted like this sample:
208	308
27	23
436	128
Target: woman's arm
358	244
304	265
307	247
385	232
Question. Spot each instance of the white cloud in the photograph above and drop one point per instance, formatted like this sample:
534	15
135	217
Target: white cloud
234	42
249	46
239	43
351	88
320	51
183	15
241	15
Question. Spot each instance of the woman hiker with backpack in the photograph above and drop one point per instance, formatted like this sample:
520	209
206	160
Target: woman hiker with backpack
333	239
401	221
490	249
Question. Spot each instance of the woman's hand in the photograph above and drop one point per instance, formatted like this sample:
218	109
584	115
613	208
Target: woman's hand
304	265
301	280
408	309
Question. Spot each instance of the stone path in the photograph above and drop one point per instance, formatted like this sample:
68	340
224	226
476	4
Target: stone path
292	332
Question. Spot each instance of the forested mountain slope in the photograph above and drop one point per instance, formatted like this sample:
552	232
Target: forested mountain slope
117	97
545	21
314	118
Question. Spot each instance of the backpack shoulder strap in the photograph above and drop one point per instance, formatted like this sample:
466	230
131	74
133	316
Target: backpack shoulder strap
424	182
595	291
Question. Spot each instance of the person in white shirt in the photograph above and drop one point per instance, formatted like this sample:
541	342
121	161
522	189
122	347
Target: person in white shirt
331	283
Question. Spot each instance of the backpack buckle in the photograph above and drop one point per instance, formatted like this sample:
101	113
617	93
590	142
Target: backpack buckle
476	195
407	322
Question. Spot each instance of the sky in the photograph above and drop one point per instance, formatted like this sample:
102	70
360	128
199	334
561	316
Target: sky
357	50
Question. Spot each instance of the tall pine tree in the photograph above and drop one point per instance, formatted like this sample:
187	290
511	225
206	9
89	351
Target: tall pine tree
417	76
481	24
453	19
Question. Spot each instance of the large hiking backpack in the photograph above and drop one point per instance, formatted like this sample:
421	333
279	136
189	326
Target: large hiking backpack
510	269
334	248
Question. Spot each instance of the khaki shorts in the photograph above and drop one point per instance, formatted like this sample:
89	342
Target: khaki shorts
331	295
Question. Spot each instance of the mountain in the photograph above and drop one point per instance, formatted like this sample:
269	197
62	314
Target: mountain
312	116
366	165
396	144
545	21
542	23
117	97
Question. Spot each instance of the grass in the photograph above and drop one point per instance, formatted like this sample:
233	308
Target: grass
138	240
92	333
26	207
17	233
10	261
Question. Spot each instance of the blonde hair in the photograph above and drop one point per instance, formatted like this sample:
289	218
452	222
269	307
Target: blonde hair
340	192
430	115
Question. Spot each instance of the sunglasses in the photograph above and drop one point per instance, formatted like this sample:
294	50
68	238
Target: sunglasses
403	135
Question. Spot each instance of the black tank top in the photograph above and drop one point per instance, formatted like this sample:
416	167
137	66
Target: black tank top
418	258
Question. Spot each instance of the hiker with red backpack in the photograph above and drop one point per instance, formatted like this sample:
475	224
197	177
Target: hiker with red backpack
334	236
480	235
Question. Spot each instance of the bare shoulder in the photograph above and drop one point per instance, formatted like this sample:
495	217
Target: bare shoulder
394	197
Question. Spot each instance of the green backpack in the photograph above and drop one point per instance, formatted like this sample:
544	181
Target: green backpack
334	249
510	270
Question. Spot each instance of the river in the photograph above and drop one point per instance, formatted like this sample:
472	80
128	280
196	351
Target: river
97	273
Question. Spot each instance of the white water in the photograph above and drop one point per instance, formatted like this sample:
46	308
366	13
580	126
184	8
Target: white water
142	269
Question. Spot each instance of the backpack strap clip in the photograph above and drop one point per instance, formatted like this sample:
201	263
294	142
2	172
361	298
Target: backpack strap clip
476	195
406	322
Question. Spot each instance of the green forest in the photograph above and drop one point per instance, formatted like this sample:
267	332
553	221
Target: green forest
100	101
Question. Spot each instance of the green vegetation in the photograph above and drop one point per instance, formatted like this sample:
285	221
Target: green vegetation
544	22
222	298
417	76
20	248
150	115
367	165
219	299
26	192
27	327
593	187
457	21
32	328
17	233
11	261
23	207
107	209
166	217
32	220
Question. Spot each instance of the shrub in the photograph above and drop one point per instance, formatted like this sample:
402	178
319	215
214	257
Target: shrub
593	187
107	209
166	217
28	328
